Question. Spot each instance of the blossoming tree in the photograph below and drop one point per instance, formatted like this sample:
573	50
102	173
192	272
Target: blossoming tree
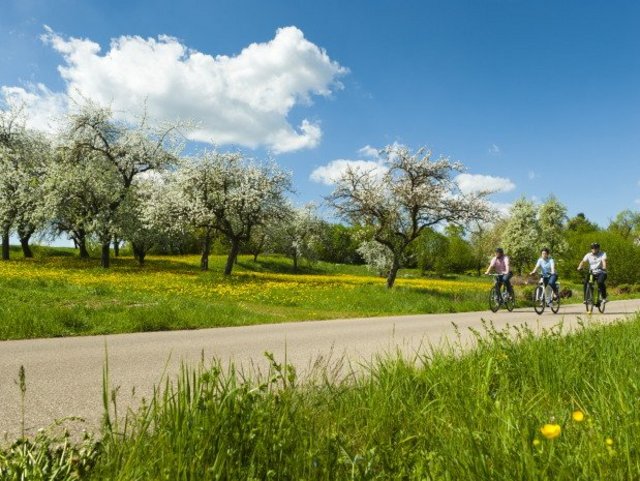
230	194
411	192
24	157
115	153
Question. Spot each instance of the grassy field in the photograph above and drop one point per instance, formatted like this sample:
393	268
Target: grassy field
550	407
58	294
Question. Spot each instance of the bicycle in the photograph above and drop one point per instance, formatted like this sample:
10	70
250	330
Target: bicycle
544	296
592	295
500	297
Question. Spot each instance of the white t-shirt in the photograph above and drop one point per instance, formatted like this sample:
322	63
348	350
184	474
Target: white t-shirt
595	260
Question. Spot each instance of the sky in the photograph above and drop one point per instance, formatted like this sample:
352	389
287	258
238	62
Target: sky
535	98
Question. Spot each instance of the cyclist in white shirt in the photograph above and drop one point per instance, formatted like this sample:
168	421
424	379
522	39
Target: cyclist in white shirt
547	267
597	261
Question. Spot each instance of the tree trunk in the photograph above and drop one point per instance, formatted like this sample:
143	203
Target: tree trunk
295	262
139	253
206	249
80	238
5	245
116	247
393	272
235	249
26	250
105	257
255	256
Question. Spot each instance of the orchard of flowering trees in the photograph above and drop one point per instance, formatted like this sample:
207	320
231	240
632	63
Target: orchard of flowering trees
102	182
107	181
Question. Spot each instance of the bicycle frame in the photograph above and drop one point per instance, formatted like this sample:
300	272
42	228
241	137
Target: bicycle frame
500	297
592	293
543	296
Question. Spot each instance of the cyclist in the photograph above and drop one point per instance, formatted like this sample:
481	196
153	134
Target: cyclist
547	267
597	261
500	263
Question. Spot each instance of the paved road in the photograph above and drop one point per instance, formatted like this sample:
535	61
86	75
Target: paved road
64	376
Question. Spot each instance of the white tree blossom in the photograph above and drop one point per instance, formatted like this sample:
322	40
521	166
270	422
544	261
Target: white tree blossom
521	234
414	193
552	216
147	217
231	194
379	257
24	157
119	152
299	235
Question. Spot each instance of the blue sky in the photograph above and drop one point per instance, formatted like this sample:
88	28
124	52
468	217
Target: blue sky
544	95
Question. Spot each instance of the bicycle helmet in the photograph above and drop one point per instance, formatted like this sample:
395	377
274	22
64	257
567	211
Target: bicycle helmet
595	245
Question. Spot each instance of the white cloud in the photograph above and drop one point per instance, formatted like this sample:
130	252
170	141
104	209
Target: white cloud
369	152
501	207
330	173
472	183
494	149
243	99
43	108
532	175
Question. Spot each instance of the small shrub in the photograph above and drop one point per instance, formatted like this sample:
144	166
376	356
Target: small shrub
624	289
566	293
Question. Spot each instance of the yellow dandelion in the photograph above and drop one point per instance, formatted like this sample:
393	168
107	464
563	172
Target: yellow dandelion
536	442
577	416
551	431
609	442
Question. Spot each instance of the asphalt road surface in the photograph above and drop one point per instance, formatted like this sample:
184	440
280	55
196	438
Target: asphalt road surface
64	375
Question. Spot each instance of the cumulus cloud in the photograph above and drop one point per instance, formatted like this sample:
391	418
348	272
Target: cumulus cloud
369	152
501	208
243	99
330	173
43	108
472	183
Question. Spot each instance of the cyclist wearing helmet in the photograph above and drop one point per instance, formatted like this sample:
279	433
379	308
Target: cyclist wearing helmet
500	263
548	270
597	261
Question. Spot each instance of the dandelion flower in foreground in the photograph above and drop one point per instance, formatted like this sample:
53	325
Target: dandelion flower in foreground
551	431
577	416
609	442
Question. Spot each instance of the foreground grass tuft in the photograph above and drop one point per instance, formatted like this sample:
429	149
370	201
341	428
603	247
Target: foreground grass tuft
519	406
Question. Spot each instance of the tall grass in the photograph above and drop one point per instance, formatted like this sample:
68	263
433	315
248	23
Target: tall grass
440	416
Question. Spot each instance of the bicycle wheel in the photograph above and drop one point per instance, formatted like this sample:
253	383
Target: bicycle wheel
555	303
509	300
601	305
494	299
539	300
588	298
